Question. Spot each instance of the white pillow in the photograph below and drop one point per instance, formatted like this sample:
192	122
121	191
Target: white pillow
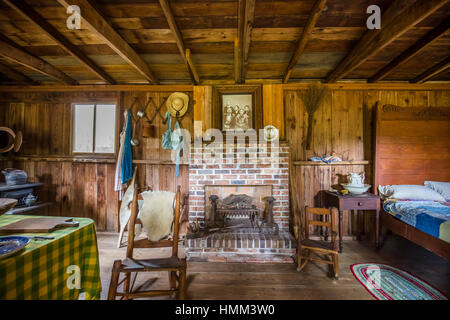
441	187
411	192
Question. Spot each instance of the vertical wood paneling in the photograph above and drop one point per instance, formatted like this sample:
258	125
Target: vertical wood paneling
203	106
273	107
344	125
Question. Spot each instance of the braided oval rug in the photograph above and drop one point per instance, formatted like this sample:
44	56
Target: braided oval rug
388	283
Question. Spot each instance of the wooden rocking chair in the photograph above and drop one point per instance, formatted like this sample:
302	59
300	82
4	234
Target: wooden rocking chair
175	266
325	250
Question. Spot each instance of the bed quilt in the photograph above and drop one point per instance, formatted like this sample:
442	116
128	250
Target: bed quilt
431	217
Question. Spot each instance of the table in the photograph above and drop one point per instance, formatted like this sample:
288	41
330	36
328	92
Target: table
43	269
365	201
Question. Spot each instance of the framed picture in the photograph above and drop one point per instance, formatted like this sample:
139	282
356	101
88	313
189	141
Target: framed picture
237	108
237	111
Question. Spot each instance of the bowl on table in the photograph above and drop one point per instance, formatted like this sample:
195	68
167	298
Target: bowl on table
356	189
12	244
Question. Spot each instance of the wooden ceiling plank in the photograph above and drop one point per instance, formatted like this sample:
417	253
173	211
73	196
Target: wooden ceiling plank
306	33
374	40
30	14
246	15
15	75
18	55
433	71
97	24
412	51
165	6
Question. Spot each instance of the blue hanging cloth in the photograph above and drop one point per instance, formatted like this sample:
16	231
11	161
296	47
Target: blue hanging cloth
127	162
167	136
177	144
173	140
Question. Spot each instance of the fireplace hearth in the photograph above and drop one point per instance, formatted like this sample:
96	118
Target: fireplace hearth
239	211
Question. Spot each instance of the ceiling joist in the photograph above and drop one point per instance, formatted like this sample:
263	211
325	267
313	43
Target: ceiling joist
306	33
392	27
97	24
412	51
19	56
179	40
15	75
30	14
246	14
433	71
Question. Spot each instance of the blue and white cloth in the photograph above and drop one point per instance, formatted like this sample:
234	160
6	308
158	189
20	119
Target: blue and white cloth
432	217
173	140
124	165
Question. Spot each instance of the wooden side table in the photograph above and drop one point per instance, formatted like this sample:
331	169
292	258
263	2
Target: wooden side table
365	201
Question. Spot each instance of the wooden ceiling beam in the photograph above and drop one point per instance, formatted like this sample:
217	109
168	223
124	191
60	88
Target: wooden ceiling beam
165	6
22	57
306	33
392	27
15	75
192	67
97	24
412	51
433	71
246	15
30	14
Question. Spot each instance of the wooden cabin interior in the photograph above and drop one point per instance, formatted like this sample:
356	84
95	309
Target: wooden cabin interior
340	110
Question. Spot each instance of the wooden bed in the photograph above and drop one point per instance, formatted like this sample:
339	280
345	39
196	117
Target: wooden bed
412	145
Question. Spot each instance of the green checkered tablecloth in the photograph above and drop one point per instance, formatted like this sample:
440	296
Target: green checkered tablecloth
46	269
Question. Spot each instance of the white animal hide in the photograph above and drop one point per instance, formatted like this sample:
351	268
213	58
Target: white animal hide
157	213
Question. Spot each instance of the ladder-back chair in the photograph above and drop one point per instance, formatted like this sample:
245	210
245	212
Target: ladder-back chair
327	252
175	266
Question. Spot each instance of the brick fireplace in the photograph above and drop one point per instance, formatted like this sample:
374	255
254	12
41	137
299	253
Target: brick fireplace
259	172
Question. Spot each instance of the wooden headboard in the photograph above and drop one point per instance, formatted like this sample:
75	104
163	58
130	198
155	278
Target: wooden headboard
412	145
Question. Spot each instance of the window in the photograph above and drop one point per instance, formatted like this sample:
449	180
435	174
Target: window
94	128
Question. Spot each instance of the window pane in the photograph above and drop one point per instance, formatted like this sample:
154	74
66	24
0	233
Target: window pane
105	128
83	128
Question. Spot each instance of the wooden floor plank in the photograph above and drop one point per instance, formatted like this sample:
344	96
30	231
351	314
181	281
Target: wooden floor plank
251	281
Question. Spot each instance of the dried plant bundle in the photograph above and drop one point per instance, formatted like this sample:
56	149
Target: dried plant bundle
312	98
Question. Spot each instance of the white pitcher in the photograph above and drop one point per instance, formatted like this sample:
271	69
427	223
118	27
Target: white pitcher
356	179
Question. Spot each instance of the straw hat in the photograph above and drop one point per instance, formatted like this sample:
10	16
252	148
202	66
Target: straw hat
177	102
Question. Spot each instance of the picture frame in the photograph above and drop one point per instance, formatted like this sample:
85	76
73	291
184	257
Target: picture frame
237	111
237	108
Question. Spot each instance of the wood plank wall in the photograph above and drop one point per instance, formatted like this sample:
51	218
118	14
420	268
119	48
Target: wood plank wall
84	186
343	125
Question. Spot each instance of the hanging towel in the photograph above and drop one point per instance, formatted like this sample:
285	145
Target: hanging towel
177	144
167	136
118	175
173	140
127	162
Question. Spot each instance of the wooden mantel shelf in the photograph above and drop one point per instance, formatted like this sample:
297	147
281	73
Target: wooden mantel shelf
341	163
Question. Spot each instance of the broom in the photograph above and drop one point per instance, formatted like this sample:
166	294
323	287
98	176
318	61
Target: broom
312	99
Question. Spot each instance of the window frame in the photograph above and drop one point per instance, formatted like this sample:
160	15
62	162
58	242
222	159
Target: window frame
94	154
